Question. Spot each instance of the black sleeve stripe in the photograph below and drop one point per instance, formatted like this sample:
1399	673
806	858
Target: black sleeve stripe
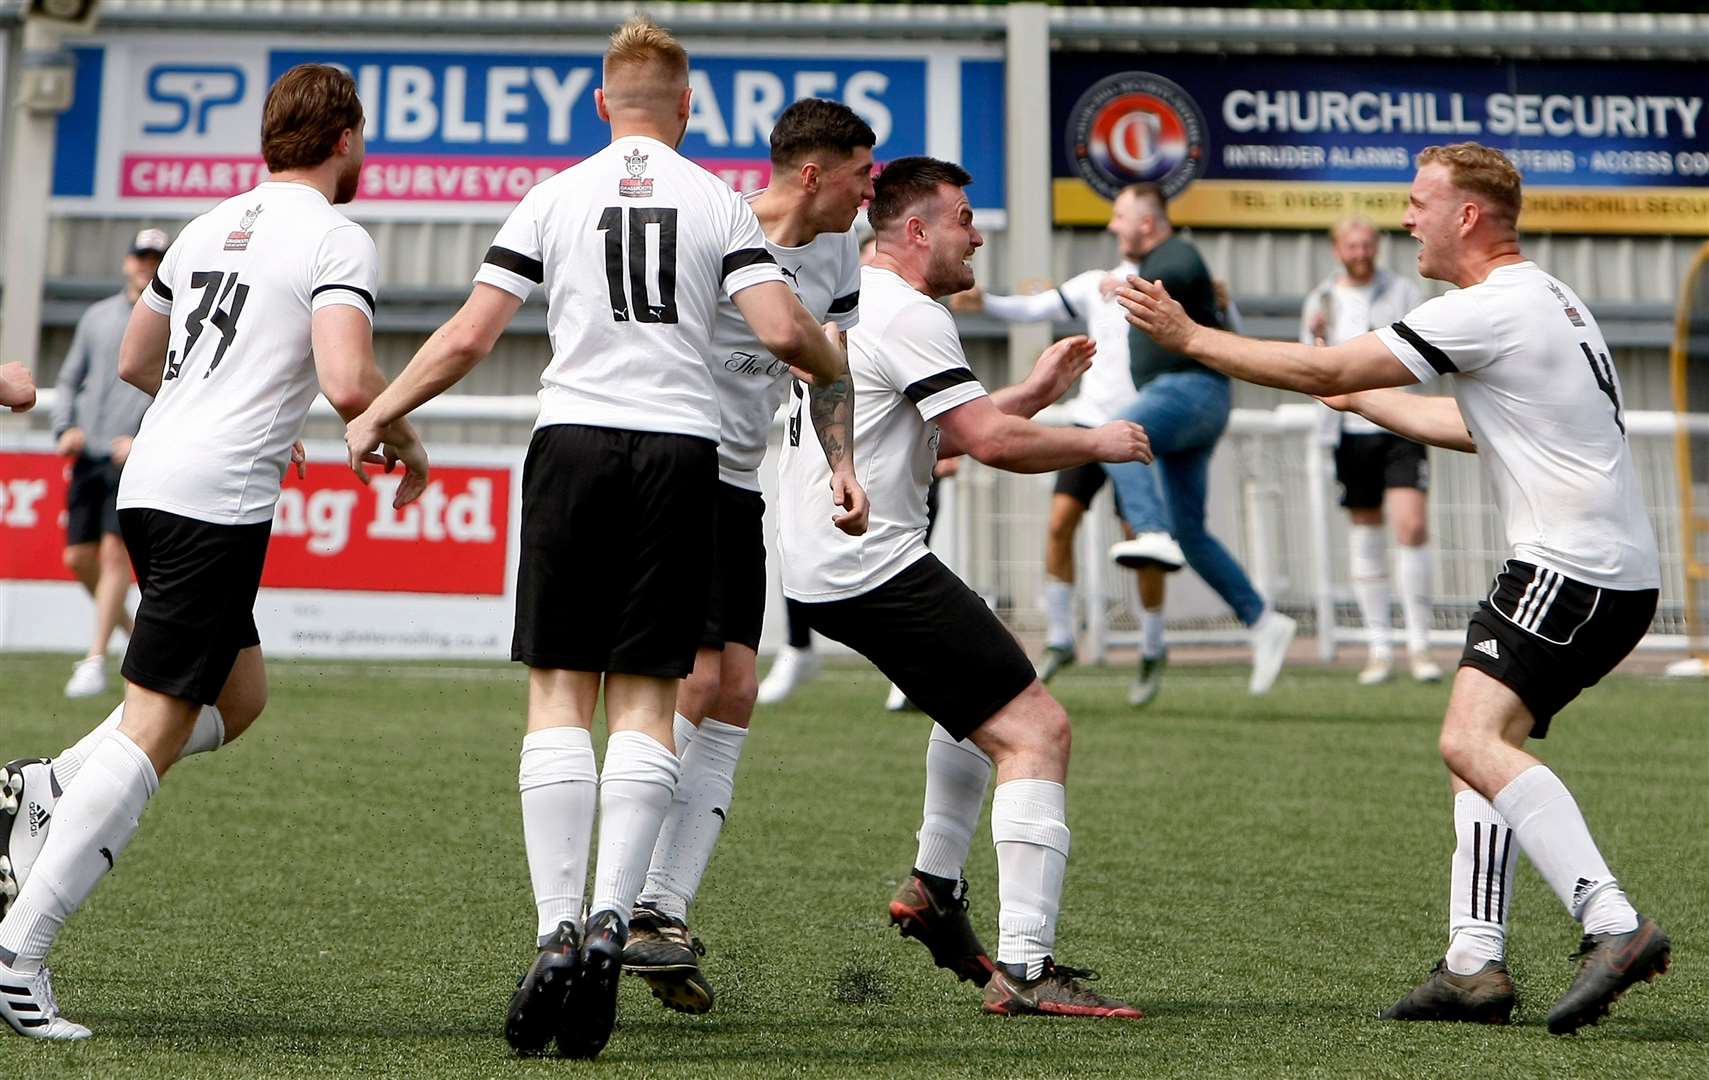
516	263
367	297
842	305
934	384
160	288
1438	359
736	260
1066	306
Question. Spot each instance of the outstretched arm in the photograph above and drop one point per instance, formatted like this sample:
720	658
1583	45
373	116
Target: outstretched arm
1433	420
1016	444
1364	363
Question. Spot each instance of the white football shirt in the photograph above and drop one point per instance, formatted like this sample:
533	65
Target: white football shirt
241	285
1350	311
634	245
906	361
1107	387
825	274
1540	396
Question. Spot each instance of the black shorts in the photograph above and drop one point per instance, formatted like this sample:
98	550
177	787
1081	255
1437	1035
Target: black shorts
1081	483
91	501
1368	465
197	612
736	610
614	570
936	640
1548	637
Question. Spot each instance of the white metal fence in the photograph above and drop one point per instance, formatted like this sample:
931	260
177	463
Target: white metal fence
1272	501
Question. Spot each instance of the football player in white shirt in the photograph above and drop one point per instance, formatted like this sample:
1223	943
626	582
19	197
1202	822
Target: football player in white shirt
1104	391
634	245
1538	399
1381	474
261	301
887	597
821	158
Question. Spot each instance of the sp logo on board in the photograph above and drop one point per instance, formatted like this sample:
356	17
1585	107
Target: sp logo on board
191	92
1135	127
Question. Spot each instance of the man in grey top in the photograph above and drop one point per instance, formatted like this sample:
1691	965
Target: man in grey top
95	416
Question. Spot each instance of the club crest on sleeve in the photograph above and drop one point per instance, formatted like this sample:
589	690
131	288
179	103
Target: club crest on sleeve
637	185
238	239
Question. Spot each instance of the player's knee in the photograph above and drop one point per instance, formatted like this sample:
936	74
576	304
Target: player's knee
700	691
1411	533
79	558
1458	748
114	559
1051	729
736	698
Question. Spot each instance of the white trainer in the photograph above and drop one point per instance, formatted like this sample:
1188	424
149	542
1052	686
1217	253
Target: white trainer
1377	670
896	700
88	678
1425	669
1271	636
28	1005
1149	549
792	669
27	800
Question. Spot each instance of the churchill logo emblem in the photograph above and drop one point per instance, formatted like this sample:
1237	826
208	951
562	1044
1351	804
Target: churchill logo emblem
1135	127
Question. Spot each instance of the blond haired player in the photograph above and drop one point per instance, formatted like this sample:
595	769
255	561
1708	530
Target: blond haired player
1537	398
634	246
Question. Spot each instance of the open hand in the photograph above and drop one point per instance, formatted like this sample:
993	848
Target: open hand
1150	308
1059	365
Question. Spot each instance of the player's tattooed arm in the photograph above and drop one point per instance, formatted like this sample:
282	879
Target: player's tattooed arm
832	408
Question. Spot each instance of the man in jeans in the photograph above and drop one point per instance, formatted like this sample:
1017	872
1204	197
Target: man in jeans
1184	406
95	418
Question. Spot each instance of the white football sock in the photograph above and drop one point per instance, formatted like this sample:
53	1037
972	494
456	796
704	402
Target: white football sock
1368	561
956	776
1029	823
696	817
1412	575
1059	613
1550	828
1482	884
1151	628
682	732
92	824
208	734
557	779
635	788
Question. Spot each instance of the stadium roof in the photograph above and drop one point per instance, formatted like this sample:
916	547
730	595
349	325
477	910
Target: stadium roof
1178	28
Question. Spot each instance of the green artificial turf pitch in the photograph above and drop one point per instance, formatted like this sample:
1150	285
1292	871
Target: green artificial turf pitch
343	892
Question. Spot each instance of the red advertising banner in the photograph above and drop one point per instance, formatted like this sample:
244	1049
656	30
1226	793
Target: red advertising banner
32	516
329	532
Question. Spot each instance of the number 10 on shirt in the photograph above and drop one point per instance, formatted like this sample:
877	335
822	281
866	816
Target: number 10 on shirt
628	279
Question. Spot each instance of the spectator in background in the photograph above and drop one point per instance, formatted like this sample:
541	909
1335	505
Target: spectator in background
1184	407
95	417
1381	474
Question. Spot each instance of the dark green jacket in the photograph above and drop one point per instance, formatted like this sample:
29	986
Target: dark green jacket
1177	264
